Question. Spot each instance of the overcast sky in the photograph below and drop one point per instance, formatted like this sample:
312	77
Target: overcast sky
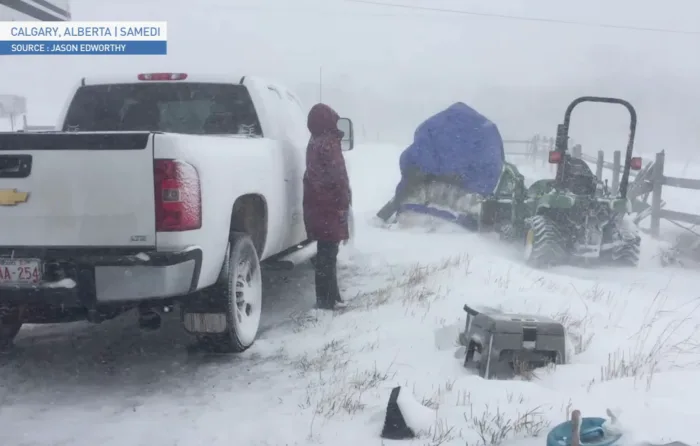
388	68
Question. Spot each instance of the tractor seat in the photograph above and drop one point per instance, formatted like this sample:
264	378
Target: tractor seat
579	178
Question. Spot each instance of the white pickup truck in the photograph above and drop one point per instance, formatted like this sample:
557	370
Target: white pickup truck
158	189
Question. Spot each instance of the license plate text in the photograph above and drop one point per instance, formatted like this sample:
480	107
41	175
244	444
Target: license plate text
20	271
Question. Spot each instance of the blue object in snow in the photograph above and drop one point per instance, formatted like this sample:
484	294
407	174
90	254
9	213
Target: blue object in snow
460	143
592	433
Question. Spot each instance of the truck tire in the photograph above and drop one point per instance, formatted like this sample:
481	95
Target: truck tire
627	254
241	296
544	244
10	324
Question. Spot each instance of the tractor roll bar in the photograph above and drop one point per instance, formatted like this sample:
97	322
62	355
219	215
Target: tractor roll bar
563	133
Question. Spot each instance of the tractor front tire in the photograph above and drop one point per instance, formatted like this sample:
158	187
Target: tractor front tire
544	244
507	233
627	254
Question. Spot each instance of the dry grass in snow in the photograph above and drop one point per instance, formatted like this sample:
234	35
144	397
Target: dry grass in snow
387	342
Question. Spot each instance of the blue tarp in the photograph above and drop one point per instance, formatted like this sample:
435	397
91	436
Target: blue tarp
457	142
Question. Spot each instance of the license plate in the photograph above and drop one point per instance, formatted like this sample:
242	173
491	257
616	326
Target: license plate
20	271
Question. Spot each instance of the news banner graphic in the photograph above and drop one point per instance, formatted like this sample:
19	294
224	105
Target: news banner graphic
83	38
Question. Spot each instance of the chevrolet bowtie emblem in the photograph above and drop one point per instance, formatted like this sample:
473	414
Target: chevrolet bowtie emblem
12	197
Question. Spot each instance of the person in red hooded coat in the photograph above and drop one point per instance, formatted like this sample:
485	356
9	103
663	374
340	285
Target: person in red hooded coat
326	200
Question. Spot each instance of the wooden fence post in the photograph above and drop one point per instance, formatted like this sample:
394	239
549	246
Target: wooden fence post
616	171
657	183
599	165
576	151
535	148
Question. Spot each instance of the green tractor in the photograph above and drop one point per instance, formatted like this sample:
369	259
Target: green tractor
575	218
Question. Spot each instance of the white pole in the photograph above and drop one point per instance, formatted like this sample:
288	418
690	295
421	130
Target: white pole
320	84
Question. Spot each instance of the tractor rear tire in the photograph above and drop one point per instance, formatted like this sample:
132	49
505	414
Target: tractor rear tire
544	243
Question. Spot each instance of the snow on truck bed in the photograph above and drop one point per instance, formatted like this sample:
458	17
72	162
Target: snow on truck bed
320	378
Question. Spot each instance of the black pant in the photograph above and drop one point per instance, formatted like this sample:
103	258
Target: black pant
327	291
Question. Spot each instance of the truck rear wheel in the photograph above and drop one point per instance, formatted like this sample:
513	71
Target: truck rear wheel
240	297
544	244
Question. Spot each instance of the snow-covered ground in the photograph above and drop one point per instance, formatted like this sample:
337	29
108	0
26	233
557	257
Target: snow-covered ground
321	378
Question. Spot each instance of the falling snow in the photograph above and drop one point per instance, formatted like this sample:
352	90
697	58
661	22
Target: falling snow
325	378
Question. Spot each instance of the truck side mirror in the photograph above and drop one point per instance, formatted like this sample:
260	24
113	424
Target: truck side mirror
348	141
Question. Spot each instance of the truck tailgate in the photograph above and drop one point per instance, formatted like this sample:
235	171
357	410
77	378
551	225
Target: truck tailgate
76	190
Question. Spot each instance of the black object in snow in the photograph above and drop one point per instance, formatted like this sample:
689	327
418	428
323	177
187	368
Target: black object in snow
395	427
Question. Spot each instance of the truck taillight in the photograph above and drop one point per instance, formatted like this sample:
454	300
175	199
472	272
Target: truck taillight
178	196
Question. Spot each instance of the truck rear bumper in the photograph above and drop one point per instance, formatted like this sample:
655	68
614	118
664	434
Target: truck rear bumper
89	278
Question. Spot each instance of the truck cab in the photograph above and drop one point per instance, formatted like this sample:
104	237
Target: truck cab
152	190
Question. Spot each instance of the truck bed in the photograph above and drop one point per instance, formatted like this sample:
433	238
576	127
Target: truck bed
77	189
